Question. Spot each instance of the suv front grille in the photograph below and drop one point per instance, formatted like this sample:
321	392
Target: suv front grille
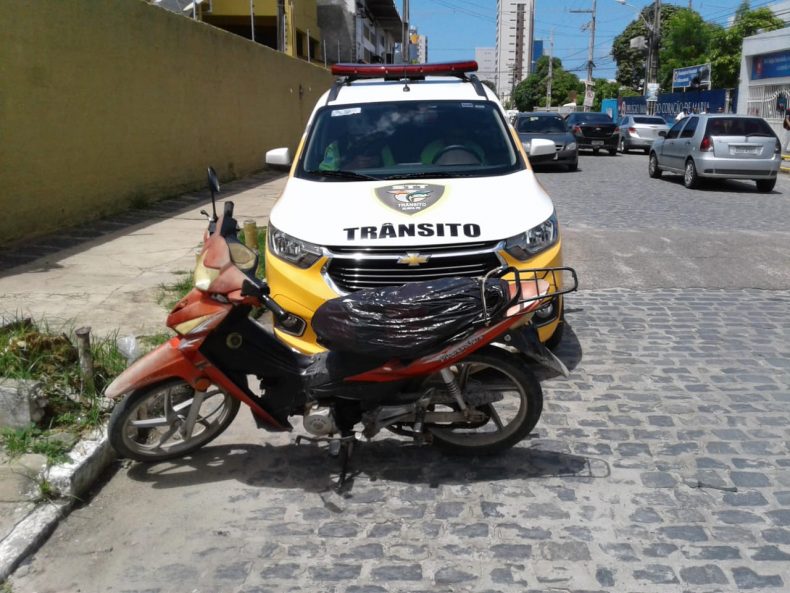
355	268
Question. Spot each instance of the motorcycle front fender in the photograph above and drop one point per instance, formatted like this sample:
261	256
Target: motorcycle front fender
525	340
165	362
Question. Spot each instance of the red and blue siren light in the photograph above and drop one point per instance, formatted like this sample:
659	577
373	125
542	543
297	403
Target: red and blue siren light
404	70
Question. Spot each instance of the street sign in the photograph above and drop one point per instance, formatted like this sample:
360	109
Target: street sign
652	91
589	97
699	75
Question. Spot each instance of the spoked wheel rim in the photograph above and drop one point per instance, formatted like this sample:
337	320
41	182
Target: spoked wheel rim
164	424
621	147
652	164
689	176
505	417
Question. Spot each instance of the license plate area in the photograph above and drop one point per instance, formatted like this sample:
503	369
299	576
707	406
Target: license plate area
744	149
597	142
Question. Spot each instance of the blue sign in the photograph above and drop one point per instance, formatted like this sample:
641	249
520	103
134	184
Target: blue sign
776	65
683	77
670	104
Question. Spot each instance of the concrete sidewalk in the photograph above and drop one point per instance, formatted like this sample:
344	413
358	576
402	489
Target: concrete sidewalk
105	275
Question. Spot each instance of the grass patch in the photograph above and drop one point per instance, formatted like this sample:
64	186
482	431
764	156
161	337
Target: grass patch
31	439
28	352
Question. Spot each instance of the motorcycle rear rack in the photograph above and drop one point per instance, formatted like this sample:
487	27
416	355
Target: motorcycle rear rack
562	280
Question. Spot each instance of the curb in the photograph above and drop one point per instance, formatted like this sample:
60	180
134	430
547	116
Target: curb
88	459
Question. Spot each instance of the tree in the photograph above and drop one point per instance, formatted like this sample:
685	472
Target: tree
726	44
531	92
685	44
631	62
608	89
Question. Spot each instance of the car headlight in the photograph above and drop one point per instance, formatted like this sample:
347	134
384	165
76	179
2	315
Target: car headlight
525	245
570	146
295	251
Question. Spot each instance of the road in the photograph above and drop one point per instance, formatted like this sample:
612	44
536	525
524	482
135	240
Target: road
661	465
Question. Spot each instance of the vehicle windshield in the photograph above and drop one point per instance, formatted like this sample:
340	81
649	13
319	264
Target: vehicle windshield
594	118
540	124
738	126
408	139
650	120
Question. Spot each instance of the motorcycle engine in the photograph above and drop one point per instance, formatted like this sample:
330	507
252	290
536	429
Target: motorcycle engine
320	421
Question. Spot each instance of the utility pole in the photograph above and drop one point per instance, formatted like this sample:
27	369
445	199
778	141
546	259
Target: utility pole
404	43
590	64
551	69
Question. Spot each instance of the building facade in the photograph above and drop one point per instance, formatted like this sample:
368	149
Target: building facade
765	77
419	47
514	41
486	63
362	31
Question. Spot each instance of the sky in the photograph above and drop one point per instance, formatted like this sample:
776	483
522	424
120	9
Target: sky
455	27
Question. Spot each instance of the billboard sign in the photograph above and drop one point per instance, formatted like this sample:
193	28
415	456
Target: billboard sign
682	78
670	104
652	91
776	65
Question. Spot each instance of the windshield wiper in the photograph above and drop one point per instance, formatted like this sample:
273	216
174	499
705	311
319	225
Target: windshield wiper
345	175
436	174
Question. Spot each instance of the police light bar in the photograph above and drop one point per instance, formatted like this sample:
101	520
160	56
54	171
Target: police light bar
404	70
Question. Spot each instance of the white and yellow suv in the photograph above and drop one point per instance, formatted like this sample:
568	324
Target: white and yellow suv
405	173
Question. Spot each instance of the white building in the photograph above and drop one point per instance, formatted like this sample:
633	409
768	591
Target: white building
486	63
514	37
765	77
419	47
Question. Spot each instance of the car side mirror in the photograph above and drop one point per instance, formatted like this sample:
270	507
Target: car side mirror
663	133
541	147
279	157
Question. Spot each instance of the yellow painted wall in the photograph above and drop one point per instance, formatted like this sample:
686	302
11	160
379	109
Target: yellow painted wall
104	105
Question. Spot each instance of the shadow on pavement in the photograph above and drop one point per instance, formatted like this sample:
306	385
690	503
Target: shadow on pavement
310	468
743	186
95	232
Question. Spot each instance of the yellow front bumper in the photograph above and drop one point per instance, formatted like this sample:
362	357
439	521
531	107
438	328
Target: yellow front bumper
301	292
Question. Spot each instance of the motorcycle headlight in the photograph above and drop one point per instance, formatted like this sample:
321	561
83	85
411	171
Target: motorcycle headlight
570	146
295	251
525	245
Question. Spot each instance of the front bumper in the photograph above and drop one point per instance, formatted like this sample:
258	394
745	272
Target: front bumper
605	143
561	157
301	292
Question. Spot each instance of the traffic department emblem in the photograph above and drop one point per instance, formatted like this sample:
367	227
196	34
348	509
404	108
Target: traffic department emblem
410	198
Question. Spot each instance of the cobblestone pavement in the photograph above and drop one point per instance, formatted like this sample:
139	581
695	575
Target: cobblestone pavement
661	465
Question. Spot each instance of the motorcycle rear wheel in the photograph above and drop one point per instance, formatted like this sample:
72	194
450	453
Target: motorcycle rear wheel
509	420
148	425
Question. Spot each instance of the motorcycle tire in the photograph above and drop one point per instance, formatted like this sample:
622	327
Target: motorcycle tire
145	425
486	367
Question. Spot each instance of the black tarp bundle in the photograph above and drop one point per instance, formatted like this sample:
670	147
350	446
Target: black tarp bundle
409	320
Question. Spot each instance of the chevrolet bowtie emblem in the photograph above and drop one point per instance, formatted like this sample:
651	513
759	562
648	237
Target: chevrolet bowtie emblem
413	259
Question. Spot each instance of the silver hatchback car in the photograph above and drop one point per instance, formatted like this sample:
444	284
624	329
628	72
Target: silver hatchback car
718	146
640	131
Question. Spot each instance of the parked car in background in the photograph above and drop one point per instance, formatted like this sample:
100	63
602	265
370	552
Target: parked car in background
718	146
593	130
640	131
549	126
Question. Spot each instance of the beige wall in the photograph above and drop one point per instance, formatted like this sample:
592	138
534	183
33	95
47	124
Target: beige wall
104	105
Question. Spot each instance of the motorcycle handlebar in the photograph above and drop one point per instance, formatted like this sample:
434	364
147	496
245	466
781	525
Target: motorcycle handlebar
261	291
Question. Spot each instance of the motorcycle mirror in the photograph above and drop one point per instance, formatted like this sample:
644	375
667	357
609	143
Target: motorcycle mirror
213	185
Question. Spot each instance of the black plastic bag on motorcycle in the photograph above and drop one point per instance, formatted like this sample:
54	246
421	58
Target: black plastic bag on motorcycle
409	320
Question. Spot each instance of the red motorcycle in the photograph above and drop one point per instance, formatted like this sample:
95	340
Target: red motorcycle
417	359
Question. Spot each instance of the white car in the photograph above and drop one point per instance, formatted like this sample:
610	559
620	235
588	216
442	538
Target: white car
406	173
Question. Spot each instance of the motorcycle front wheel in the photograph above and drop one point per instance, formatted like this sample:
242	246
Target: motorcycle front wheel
509	419
153	424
